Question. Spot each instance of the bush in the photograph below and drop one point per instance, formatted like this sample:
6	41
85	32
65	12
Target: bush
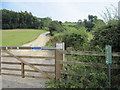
73	37
55	26
82	76
108	35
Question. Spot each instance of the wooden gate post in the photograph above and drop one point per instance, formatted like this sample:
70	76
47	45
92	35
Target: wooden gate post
58	66
22	70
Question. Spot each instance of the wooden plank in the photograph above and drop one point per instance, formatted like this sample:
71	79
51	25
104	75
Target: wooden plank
30	57
5	48
26	48
15	63
82	63
36	71
37	77
11	74
19	59
52	65
14	69
66	52
26	76
116	54
82	53
11	69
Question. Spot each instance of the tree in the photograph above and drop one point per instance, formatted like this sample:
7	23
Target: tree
55	26
88	24
45	22
109	33
92	18
13	20
98	24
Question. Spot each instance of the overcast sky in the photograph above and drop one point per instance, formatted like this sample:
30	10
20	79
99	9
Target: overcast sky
62	10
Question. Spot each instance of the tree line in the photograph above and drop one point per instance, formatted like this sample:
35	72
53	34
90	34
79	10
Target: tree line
25	20
13	20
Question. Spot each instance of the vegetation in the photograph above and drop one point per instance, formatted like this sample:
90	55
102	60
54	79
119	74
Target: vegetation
91	34
78	37
45	23
108	35
25	20
88	35
13	20
70	24
82	76
55	26
19	37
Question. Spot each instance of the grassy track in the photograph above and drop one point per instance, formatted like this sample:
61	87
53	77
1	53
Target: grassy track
19	37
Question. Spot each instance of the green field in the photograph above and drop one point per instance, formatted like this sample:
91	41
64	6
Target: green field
18	37
69	24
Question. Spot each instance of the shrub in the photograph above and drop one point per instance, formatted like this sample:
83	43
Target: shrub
82	76
108	35
73	37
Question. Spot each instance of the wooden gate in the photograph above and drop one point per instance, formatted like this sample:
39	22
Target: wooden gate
22	63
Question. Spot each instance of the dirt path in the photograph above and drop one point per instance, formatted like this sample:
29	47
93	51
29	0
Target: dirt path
40	41
18	82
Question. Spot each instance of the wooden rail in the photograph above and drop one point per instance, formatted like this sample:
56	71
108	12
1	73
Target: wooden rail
88	53
23	63
43	57
14	69
113	66
42	77
58	62
28	48
92	53
15	63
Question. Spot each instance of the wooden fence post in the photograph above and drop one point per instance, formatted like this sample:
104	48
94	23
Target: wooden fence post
22	70
58	66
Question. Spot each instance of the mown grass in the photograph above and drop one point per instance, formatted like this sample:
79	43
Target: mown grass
18	37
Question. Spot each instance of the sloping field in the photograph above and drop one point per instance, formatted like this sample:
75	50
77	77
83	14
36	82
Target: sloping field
19	37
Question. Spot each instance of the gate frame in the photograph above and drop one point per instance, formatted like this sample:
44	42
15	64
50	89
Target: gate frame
58	57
